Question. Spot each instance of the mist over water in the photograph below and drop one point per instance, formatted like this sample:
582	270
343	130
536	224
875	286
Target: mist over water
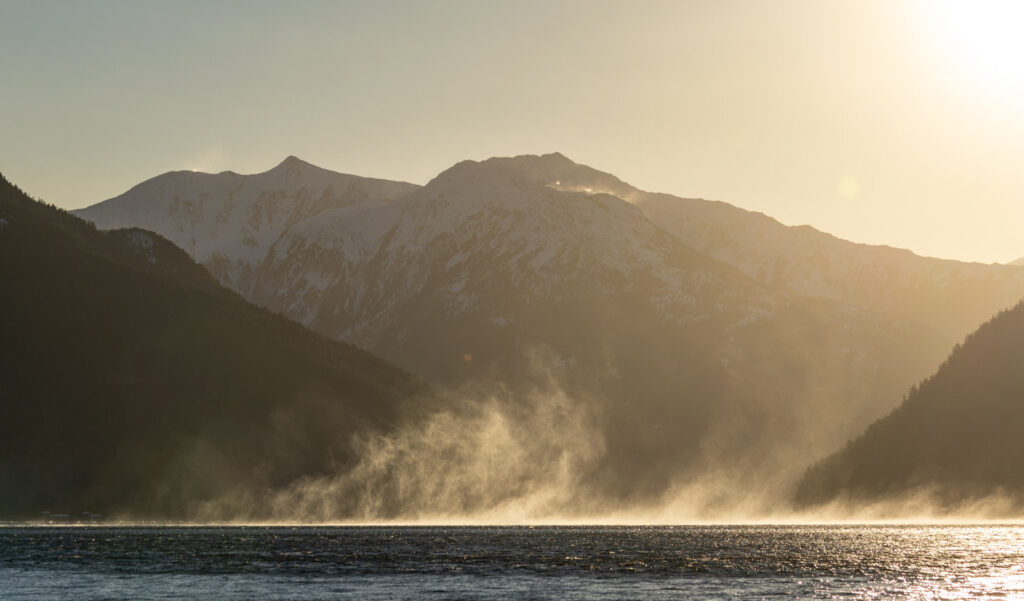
494	456
502	458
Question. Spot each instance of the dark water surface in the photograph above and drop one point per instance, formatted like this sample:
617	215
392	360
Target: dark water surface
686	562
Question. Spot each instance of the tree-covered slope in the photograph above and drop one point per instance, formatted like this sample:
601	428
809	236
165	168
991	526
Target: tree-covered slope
957	436
130	382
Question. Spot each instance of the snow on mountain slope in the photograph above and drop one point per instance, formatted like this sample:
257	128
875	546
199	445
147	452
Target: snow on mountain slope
228	221
952	297
519	271
471	215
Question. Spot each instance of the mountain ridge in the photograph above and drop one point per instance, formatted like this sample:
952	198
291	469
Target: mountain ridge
132	384
496	262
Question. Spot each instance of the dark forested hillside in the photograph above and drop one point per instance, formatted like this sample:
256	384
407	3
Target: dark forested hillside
956	436
130	382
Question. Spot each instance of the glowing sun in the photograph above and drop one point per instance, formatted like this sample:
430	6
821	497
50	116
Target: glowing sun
985	38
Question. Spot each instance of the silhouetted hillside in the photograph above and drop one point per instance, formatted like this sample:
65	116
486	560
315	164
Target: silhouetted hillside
956	436
130	381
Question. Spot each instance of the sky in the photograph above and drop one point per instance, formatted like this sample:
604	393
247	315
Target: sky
896	122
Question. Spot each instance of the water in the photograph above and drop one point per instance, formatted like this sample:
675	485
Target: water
689	562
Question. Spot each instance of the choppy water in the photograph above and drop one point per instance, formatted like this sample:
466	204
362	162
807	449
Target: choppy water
690	562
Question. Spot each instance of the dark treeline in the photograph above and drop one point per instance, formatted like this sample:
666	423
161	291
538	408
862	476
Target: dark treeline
131	382
956	436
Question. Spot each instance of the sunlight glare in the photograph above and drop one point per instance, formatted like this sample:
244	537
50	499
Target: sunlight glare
984	38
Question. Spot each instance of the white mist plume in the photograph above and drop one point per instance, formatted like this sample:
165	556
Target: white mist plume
501	459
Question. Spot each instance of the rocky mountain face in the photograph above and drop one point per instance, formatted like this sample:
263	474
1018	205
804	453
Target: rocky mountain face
954	440
706	342
133	384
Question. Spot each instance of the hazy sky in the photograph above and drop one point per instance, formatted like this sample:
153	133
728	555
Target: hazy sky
877	120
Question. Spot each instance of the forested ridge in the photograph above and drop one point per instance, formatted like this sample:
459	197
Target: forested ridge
131	382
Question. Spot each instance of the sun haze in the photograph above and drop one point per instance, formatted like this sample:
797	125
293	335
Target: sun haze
894	123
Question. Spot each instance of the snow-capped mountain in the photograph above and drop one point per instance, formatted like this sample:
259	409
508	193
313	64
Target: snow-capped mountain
228	221
952	297
522	271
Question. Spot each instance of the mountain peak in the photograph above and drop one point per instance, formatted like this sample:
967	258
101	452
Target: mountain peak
553	170
559	171
551	158
292	161
293	167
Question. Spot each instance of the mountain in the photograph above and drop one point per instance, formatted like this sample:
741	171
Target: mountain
132	383
523	272
954	439
951	297
228	222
